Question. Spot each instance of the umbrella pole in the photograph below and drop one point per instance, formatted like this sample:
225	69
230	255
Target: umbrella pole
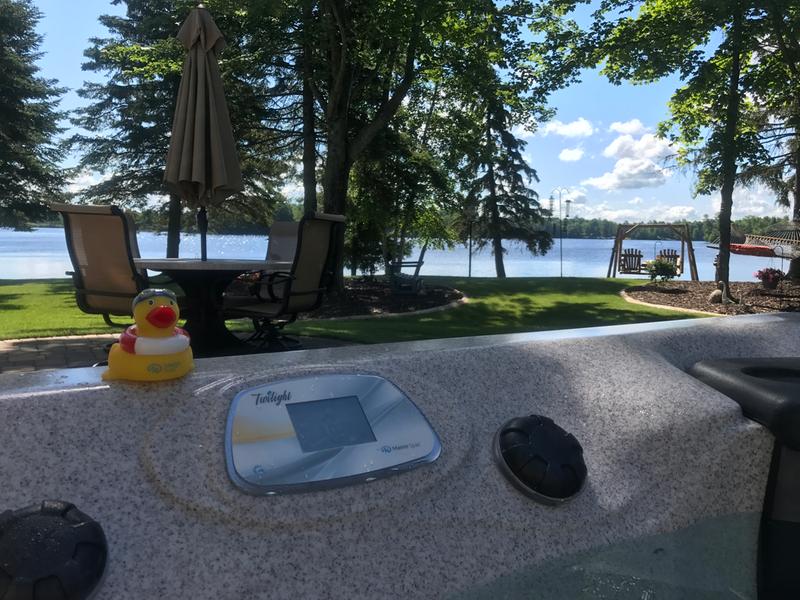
202	226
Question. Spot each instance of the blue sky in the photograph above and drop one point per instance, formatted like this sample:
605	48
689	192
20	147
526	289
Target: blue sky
600	146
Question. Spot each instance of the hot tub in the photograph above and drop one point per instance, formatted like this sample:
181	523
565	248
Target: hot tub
671	507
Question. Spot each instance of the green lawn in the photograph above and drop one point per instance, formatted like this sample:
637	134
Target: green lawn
47	307
503	306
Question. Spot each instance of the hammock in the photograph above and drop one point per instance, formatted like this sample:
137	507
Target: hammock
752	250
781	241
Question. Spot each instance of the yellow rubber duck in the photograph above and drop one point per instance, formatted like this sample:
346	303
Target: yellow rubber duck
153	349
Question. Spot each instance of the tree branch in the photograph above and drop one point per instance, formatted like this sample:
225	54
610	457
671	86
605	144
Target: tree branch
390	107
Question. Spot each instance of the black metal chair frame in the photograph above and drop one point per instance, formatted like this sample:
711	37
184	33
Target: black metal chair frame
268	331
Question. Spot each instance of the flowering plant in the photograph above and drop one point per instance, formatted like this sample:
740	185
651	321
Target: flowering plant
663	269
769	275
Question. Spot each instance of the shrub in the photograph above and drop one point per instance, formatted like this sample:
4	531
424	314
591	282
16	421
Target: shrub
769	275
662	269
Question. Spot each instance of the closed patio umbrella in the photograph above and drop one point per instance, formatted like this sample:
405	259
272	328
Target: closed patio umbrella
202	162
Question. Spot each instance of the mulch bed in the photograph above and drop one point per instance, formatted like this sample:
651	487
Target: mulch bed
374	296
753	298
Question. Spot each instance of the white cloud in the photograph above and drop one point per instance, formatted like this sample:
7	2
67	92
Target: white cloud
86	179
522	133
643	213
604	211
576	196
630	173
292	189
632	127
757	201
647	146
577	128
571	154
636	200
674	213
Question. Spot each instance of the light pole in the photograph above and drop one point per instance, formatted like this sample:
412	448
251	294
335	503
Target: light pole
559	191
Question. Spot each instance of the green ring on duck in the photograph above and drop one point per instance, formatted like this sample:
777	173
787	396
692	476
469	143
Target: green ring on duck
152	293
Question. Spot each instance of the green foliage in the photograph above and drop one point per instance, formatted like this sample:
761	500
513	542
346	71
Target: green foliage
499	199
661	269
485	94
127	123
773	82
29	156
44	308
399	191
713	47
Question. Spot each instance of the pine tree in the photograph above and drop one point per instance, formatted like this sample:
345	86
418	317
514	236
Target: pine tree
505	207
129	118
29	156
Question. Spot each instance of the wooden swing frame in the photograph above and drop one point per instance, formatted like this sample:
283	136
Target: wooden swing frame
681	230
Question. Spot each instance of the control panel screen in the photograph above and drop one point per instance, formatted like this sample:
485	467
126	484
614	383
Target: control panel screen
330	423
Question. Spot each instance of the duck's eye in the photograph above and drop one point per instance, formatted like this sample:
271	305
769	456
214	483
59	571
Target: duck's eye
171	303
150	302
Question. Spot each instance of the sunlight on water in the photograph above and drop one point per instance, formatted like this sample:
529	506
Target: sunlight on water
43	254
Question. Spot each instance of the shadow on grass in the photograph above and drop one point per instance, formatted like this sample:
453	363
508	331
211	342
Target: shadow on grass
478	287
518	315
51	289
61	286
7	302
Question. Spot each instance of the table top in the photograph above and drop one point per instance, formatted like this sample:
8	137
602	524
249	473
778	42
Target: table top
213	264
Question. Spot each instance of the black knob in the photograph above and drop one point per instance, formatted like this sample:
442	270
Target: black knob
540	458
50	551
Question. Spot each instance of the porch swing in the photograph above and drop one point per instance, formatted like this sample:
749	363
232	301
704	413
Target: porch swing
628	261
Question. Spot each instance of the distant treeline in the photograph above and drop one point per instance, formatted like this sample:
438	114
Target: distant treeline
705	230
233	224
219	221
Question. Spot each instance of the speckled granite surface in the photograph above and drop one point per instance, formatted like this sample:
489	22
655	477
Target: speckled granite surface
664	453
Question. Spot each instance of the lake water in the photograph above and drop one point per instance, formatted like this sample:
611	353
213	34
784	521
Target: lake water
43	254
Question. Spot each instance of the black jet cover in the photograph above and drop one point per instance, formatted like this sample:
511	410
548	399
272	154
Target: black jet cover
540	458
50	551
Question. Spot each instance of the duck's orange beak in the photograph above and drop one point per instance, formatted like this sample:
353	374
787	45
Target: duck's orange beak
162	316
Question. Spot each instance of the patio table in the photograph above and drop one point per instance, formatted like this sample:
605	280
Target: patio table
204	283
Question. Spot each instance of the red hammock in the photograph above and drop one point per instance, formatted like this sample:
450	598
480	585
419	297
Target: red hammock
752	250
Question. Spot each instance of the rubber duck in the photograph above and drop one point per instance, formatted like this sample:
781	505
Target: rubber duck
153	349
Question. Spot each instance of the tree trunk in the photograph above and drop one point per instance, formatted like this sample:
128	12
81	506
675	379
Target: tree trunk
497	240
497	249
729	152
174	226
309	123
794	265
335	182
342	148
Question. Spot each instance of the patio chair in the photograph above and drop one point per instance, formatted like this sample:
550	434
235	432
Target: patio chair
406	283
101	241
671	255
282	241
282	295
280	248
630	261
